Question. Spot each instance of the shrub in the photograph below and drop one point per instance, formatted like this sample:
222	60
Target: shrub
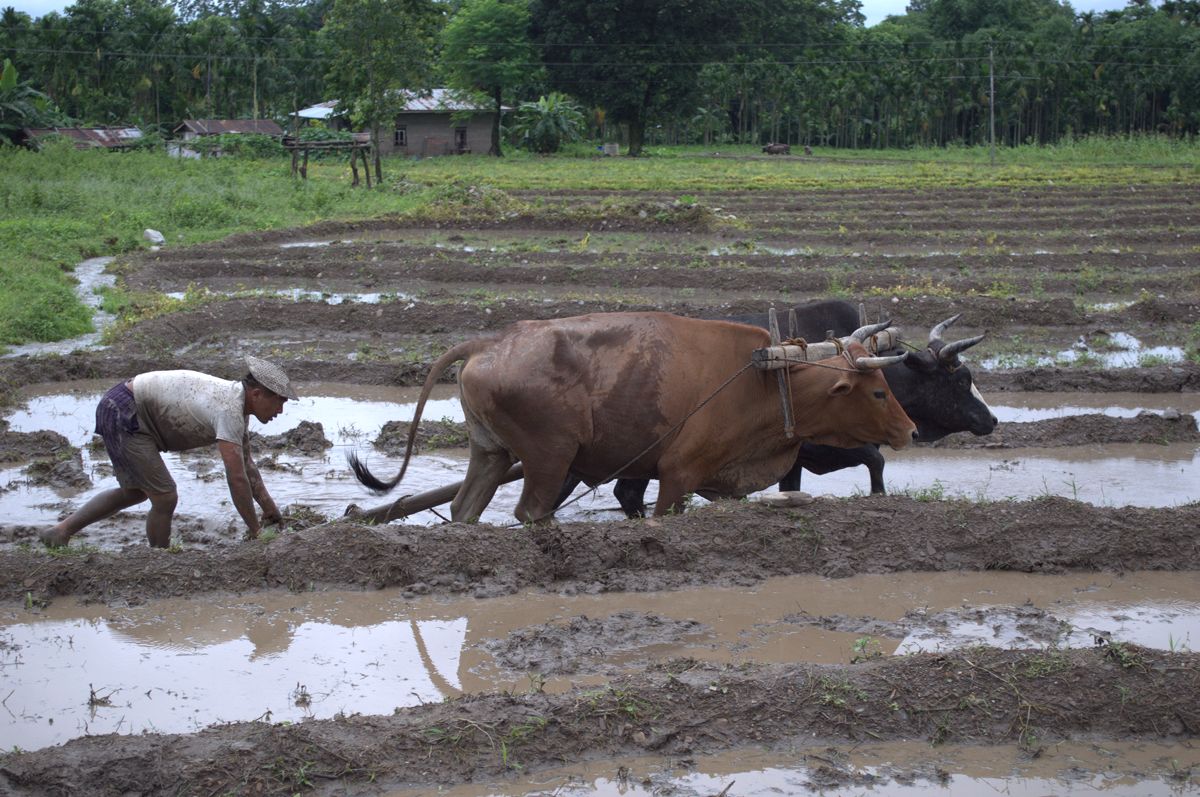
239	145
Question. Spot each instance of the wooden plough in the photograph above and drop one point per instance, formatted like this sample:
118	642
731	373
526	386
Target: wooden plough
411	504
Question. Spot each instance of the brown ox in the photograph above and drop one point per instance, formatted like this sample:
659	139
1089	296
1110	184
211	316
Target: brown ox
777	149
641	395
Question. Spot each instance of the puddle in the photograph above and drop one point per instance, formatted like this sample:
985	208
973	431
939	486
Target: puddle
352	416
1168	626
1122	350
1021	407
311	244
289	656
302	295
887	770
1124	474
468	249
91	276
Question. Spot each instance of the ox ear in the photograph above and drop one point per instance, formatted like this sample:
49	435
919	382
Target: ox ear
841	387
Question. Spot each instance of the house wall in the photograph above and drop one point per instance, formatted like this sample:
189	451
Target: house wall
432	133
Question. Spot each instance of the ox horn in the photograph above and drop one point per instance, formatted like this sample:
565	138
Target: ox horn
935	334
862	333
872	363
952	350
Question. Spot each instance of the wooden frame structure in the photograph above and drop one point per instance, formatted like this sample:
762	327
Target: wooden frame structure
358	147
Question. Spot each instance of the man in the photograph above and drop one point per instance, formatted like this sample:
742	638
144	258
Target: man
177	411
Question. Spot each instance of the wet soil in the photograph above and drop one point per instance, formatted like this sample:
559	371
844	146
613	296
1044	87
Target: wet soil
28	446
1039	270
724	543
1081	430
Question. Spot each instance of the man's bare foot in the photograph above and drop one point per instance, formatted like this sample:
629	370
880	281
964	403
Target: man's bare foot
53	539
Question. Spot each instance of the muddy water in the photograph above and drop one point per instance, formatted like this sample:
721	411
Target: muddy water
1125	474
1113	769
1025	407
302	295
1124	351
352	416
289	656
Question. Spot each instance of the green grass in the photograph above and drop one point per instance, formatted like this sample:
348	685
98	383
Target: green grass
60	205
689	172
1136	150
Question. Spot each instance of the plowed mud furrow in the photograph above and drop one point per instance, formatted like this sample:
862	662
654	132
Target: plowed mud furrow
1041	272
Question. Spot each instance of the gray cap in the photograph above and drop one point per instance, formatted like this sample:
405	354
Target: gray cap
271	376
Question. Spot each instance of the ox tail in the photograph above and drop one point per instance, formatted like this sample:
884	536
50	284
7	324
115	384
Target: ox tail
369	480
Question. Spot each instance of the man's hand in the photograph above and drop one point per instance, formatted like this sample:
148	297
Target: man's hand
272	515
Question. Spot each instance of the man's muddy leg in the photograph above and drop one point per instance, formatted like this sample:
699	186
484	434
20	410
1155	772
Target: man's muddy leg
100	506
158	519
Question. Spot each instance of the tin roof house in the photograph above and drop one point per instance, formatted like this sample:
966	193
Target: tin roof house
426	125
116	138
197	128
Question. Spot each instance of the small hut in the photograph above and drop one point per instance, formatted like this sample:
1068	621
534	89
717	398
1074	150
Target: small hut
193	129
430	123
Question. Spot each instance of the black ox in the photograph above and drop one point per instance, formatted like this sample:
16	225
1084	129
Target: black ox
932	385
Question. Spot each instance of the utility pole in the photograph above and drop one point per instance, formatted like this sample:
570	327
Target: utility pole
992	101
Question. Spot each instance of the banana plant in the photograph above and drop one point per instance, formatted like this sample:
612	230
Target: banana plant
21	105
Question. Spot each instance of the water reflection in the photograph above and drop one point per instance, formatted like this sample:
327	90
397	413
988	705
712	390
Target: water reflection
182	664
895	769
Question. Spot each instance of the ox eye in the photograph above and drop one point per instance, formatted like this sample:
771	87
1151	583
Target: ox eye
880	394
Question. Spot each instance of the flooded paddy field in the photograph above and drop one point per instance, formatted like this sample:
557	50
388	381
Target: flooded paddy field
1048	445
1020	614
304	656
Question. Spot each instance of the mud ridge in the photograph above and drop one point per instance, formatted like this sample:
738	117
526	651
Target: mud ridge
1077	430
726	542
984	696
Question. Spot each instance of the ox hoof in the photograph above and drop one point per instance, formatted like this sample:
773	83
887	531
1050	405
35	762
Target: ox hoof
790	498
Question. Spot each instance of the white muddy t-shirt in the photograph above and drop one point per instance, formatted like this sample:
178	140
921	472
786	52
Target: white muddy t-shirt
182	410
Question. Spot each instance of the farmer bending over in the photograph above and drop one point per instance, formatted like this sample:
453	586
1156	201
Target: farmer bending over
177	411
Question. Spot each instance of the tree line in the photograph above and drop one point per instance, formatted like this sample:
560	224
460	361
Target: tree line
673	71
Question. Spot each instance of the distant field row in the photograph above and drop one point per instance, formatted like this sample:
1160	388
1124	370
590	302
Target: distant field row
61	206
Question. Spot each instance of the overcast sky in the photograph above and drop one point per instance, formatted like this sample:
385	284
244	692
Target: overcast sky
875	10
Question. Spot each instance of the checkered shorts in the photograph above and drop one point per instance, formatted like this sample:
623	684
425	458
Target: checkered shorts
135	458
116	421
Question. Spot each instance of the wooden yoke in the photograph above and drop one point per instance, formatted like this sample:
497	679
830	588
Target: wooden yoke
777	356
